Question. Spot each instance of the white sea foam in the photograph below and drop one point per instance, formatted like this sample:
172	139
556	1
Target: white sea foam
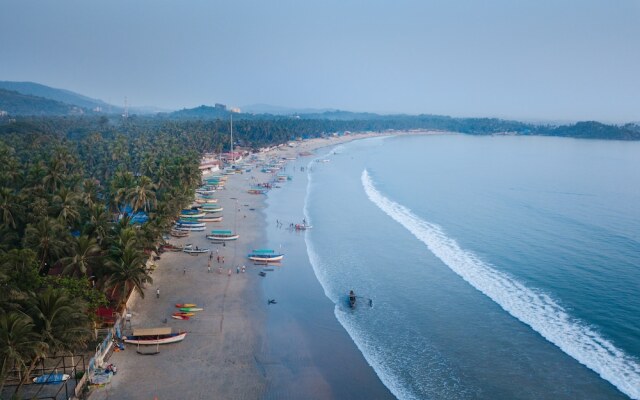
533	307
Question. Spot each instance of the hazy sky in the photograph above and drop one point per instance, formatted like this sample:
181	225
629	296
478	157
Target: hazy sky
554	60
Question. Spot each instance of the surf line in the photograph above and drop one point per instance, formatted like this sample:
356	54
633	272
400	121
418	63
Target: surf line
532	307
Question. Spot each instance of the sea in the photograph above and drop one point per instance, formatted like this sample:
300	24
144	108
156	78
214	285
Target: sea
486	267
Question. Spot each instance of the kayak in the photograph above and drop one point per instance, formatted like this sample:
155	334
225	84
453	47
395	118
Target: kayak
180	305
184	314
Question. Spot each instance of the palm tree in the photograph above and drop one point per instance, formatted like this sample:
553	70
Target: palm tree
60	322
98	223
55	175
66	206
85	254
127	272
90	188
121	183
143	195
9	206
19	343
46	239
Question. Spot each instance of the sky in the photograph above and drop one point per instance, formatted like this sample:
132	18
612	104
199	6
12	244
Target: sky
537	60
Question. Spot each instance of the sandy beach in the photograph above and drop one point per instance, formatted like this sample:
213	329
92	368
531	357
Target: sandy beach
235	348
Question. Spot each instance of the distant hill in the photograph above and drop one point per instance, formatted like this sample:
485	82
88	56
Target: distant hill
277	110
15	103
201	112
61	95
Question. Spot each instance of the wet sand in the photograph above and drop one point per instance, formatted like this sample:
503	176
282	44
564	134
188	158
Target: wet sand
239	346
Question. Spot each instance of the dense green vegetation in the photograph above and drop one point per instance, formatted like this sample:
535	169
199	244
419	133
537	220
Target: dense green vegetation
65	246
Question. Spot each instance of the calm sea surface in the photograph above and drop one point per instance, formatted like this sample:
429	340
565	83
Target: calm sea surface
498	267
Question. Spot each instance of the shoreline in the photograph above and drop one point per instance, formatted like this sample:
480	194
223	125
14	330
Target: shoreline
220	356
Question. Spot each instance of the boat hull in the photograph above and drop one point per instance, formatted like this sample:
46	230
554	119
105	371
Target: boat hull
222	238
262	258
162	339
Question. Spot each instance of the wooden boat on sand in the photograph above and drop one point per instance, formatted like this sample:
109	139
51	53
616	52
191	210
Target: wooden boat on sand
162	335
189	249
222	236
185	305
265	255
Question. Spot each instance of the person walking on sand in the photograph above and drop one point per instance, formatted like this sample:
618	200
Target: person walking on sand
184	271
157	293
237	269
229	272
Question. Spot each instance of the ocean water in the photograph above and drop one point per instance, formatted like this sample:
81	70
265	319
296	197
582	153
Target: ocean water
497	267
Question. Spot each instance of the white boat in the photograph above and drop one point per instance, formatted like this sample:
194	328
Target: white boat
222	236
155	336
194	250
265	255
189	228
211	219
192	215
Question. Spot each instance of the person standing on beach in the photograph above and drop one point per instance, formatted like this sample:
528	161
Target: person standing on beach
229	272
157	293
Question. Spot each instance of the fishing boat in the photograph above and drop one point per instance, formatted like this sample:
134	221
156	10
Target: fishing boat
179	233
302	227
183	317
190	309
192	215
189	249
211	218
265	255
222	236
51	378
171	247
208	208
190	221
205	190
189	211
206	201
188	228
155	336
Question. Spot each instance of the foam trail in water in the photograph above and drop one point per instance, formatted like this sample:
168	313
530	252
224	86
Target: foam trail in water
532	307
